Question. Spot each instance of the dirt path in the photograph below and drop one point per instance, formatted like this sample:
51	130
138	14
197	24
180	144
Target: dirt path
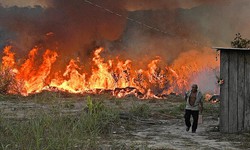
171	134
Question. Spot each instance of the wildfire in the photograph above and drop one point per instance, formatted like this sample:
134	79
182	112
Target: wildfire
120	77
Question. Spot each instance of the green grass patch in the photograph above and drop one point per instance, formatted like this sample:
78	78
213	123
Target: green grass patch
175	110
211	109
140	110
53	130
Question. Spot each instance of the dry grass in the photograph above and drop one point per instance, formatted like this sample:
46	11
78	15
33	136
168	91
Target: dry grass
59	121
53	130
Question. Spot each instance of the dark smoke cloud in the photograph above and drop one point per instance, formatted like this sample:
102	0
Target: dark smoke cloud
75	28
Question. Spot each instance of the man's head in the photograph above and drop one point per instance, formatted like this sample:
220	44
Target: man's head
194	87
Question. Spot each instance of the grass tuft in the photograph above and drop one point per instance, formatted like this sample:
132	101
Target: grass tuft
140	110
53	130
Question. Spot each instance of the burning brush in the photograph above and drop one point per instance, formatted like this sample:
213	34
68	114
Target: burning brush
117	77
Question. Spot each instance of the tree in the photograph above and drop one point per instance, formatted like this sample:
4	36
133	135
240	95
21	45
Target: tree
239	42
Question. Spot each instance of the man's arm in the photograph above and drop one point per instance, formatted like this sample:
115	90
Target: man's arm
186	96
201	109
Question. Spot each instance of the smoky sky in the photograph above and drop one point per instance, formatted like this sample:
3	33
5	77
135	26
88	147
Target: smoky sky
23	3
75	28
133	5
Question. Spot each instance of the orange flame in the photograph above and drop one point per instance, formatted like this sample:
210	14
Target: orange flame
8	61
117	76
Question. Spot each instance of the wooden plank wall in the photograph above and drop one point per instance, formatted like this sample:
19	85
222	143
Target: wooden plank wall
235	92
247	92
232	92
241	90
224	59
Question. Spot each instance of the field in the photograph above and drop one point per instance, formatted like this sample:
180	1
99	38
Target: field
52	120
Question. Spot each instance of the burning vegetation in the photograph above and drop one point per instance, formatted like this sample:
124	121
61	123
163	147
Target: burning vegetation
114	76
122	48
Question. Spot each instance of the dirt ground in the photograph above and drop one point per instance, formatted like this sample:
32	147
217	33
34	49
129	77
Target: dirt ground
163	129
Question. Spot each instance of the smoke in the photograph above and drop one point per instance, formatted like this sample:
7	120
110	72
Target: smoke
135	5
200	67
204	24
74	28
206	81
78	26
23	3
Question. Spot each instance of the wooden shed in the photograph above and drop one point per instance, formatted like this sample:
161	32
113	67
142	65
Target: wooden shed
235	91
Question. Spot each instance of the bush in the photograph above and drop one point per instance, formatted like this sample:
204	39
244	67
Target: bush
6	80
239	42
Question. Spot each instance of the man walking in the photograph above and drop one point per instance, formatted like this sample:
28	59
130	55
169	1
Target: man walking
194	104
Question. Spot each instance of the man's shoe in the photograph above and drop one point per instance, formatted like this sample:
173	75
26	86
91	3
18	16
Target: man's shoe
187	129
193	131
